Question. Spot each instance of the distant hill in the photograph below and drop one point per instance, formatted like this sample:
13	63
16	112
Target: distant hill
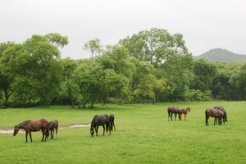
222	55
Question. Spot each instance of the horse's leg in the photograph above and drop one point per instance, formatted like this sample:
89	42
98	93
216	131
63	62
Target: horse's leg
52	133
180	115
185	117
206	118
215	120
96	129
56	130
30	135
103	129
26	136
42	135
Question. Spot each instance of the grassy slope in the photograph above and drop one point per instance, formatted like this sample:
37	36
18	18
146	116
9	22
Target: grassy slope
143	135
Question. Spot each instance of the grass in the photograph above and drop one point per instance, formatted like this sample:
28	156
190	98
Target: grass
143	135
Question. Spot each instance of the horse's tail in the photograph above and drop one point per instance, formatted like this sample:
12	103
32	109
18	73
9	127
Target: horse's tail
225	115
57	127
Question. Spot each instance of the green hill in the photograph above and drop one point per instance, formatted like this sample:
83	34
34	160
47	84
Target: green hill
222	55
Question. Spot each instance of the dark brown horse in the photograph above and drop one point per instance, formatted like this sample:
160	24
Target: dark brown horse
99	120
32	126
223	110
52	126
172	110
217	114
183	112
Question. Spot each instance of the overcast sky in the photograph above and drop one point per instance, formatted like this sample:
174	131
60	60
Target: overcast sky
205	24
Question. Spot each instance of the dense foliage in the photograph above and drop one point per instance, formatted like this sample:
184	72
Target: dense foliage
150	66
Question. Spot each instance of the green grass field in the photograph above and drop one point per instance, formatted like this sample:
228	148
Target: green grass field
143	135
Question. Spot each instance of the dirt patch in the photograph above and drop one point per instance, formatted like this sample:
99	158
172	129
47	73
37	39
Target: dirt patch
10	131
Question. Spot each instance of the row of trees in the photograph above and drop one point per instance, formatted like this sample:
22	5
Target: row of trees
149	66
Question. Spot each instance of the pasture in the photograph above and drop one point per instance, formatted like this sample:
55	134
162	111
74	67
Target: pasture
143	135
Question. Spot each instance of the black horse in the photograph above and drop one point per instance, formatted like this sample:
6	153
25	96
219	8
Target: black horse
217	114
172	110
223	110
100	120
32	126
52	126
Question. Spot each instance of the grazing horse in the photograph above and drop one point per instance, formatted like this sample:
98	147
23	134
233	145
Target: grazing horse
111	122
32	126
184	112
52	126
172	110
217	114
99	120
223	110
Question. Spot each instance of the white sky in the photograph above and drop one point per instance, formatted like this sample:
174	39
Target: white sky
205	24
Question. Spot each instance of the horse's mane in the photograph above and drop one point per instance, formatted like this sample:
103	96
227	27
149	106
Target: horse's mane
23	123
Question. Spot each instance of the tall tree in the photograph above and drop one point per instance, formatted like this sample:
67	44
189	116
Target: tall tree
168	54
94	46
119	70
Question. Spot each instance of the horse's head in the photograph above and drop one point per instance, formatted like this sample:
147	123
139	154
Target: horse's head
188	109
16	130
92	132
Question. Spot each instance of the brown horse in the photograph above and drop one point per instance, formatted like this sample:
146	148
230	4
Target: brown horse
183	112
32	126
217	114
223	110
172	110
52	126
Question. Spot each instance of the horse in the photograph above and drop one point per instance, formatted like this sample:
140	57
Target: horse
172	110
183	111
32	126
52	126
111	120
99	120
223	110
217	114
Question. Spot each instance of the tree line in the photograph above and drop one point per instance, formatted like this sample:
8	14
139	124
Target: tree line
149	66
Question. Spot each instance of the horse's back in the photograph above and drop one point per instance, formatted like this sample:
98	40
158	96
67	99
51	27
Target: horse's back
36	125
172	109
100	119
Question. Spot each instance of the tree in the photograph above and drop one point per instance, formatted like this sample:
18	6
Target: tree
155	45
8	54
204	73
223	86
145	85
117	63
238	80
169	56
94	46
38	72
57	39
67	92
87	77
